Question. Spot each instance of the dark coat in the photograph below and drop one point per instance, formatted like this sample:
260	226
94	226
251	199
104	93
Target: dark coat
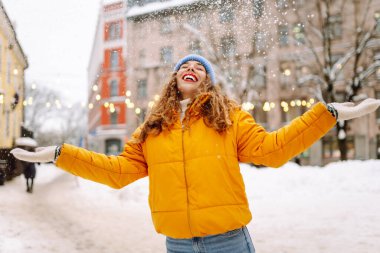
29	170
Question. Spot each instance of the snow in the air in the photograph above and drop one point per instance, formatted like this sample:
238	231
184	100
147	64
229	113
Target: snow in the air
329	209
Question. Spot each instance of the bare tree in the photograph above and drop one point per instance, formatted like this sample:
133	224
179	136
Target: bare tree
51	121
333	59
39	106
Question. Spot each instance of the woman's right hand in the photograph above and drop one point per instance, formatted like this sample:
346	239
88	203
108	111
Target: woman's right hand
41	155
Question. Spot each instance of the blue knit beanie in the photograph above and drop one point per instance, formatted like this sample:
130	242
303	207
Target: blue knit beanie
194	57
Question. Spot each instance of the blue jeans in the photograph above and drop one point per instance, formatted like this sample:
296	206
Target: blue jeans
234	241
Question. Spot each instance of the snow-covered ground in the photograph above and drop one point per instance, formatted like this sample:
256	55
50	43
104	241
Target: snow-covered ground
295	209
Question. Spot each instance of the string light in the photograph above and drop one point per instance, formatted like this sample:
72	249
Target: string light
247	106
266	107
112	108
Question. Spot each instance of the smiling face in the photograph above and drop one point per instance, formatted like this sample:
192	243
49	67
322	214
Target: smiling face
189	77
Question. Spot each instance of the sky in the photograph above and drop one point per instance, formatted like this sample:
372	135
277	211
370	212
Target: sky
295	209
57	38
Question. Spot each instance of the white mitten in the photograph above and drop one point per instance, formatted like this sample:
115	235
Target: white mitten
349	110
42	154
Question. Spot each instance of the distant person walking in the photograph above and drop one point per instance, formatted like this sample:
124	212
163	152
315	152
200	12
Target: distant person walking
190	146
30	174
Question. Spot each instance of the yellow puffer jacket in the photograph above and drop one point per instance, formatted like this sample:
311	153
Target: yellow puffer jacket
195	184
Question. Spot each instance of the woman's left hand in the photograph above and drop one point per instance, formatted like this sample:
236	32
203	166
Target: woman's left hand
349	110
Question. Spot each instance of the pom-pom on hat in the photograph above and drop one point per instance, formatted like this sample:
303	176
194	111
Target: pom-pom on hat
206	64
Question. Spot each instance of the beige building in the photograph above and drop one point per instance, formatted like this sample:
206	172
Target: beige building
265	56
13	62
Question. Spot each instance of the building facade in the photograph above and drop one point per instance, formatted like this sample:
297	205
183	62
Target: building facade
264	53
13	63
107	87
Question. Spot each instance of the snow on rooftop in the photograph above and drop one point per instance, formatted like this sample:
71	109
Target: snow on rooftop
157	7
26	141
106	2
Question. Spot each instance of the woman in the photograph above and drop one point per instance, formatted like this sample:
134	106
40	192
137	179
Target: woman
190	146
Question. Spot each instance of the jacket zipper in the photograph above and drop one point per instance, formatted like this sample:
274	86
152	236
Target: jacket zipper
184	171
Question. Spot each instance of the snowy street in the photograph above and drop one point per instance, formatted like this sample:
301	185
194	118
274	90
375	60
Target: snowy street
295	209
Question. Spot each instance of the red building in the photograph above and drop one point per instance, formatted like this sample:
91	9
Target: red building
107	85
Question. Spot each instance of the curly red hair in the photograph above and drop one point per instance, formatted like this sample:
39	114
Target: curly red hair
210	103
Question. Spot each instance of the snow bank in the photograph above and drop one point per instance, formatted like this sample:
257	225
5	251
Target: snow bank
295	209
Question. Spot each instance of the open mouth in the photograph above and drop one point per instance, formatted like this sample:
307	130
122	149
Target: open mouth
189	78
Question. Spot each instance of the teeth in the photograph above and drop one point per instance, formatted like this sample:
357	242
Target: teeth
190	77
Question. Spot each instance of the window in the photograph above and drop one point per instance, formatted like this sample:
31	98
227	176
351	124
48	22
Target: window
114	87
258	8
166	25
378	111
113	146
334	59
113	30
282	4
166	55
1	55
142	57
114	117
377	20
299	33
259	42
141	116
283	33
301	72
141	89
331	149
340	96
335	27
8	71
286	73
260	115
258	76
226	13
195	47
114	59
7	124
228	45
195	21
